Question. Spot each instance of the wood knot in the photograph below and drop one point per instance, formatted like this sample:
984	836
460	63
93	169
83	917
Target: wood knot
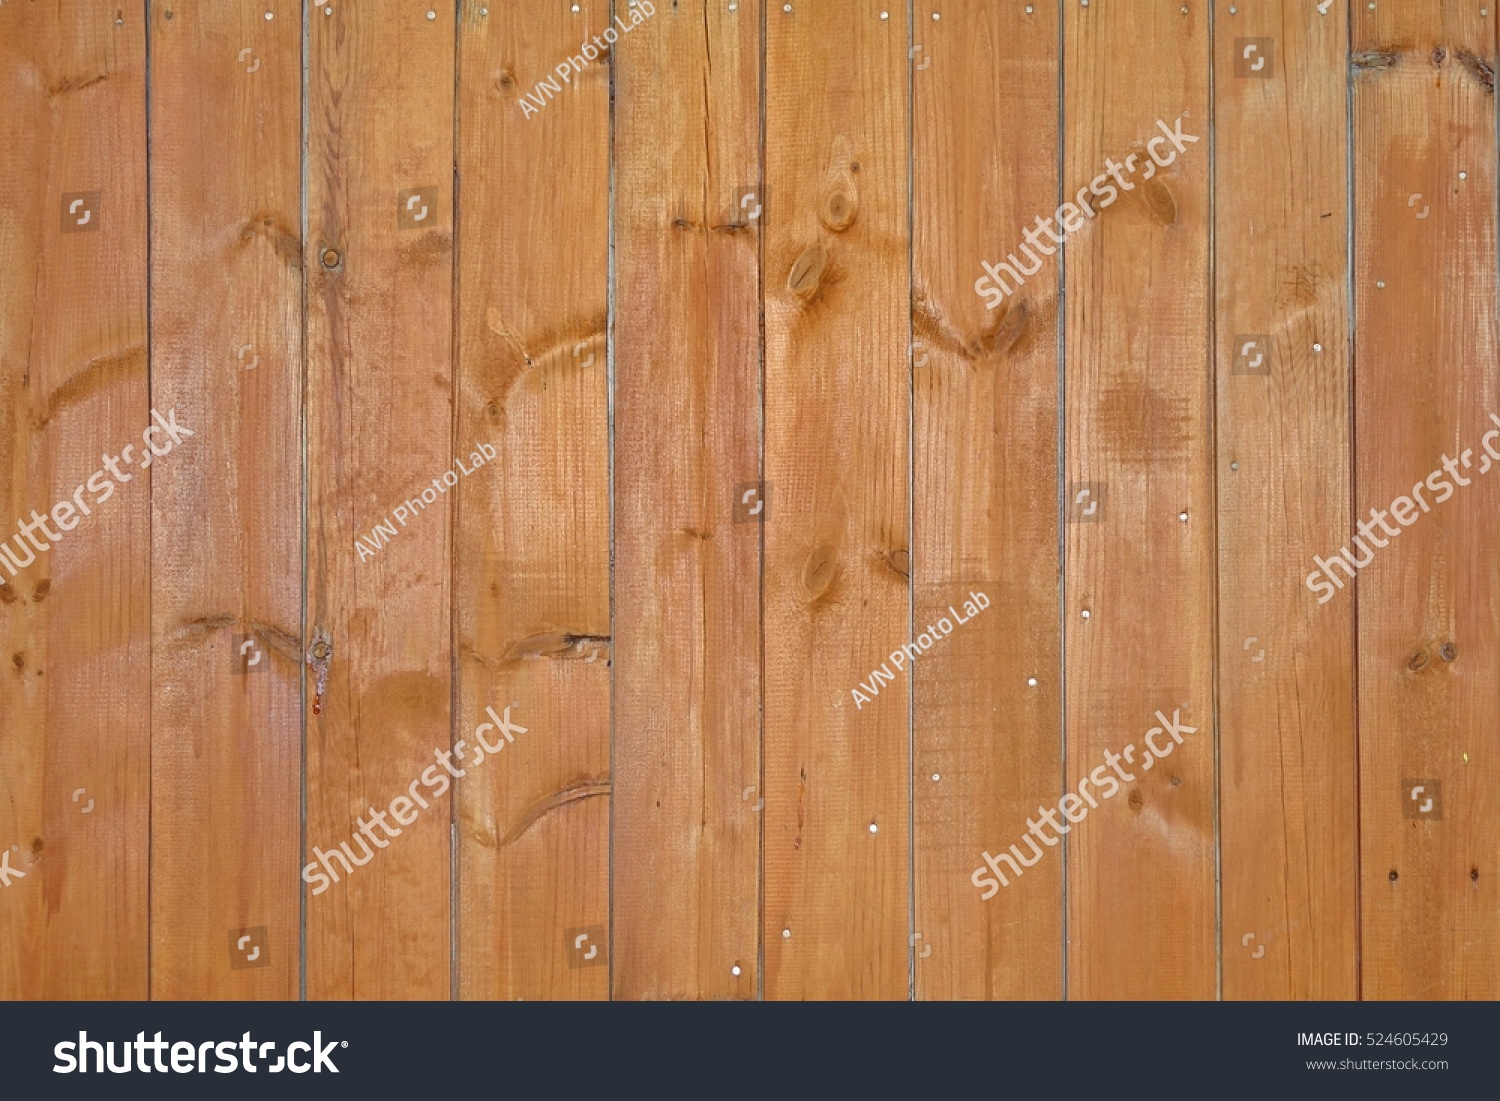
1439	55
505	81
1374	60
806	277
1419	661
1480	69
821	568
840	209
7	594
1136	801
1159	200
43	587
1448	651
1009	327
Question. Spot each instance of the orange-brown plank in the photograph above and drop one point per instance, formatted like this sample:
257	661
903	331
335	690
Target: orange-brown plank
686	865
1429	600
1286	665
75	693
226	354
836	295
1141	903
380	427
988	699
533	534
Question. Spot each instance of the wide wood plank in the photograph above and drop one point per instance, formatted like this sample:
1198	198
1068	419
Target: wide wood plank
988	700
837	554
1139	569
1429	591
1286	665
75	694
226	354
380	427
533	532
688	221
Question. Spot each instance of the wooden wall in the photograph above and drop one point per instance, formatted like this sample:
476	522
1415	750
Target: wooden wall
626	400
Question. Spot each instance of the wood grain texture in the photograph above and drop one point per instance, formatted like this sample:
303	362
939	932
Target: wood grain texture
226	354
1286	665
533	537
74	613
686	845
380	429
1429	601
837	447
985	391
1141	903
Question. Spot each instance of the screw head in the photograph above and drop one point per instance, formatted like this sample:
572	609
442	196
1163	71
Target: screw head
1380	283
785	933
330	258
1317	347
936	777
1182	516
874	828
735	970
1031	681
270	16
1234	466
1086	613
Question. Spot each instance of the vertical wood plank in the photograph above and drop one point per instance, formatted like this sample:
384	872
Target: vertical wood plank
988	698
1141	904
533	536
687	549
1429	600
74	603
226	349
380	426
837	407
1286	665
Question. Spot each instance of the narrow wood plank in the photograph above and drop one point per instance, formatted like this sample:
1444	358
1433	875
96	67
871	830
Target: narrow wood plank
989	699
1429	600
837	328
1139	581
533	537
380	428
226	349
1286	665
688	220
74	601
